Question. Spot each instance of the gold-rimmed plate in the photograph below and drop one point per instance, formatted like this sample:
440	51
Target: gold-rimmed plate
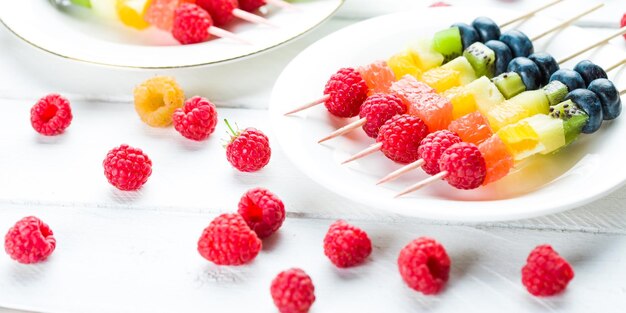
78	34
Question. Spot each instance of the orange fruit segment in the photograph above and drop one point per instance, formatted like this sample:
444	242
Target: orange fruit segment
378	77
472	128
498	160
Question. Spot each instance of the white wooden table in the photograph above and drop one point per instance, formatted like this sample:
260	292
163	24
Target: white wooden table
135	252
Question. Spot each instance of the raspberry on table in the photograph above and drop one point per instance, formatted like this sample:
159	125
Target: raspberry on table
433	146
191	24
248	150
401	136
346	245
127	168
156	99
220	10
546	273
465	166
293	291
29	241
197	118
424	265
347	91
379	108
229	241
262	210
51	115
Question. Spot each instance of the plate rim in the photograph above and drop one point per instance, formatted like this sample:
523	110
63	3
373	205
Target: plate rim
275	115
223	61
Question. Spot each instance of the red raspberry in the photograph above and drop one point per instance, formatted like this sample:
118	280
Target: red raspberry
347	91
293	291
220	10
196	120
29	241
191	24
346	245
622	23
401	136
546	273
248	150
229	241
379	108
465	165
424	265
127	168
51	115
251	5
263	211
433	146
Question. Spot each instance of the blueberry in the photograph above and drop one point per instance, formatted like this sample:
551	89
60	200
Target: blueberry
469	35
609	97
547	65
487	29
519	43
590	103
528	70
570	78
589	71
503	55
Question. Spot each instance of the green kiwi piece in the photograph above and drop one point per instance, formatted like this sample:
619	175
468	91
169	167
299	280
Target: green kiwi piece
481	58
448	42
510	84
555	91
573	118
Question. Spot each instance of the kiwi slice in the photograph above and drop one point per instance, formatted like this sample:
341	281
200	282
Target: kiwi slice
555	91
448	42
510	84
481	58
574	119
84	3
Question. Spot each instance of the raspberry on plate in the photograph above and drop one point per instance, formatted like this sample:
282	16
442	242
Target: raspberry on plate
465	165
51	115
346	90
293	291
546	273
191	24
248	150
379	108
29	241
401	136
156	99
433	146
424	265
262	210
346	245
197	118
229	241
127	168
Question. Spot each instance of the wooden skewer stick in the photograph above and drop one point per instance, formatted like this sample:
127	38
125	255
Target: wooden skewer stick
531	13
614	66
356	124
222	33
401	171
423	183
282	4
253	18
567	22
310	104
369	150
621	93
602	41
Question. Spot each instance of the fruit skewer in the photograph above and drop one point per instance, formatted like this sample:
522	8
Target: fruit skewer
225	11
498	115
582	110
471	122
478	49
489	25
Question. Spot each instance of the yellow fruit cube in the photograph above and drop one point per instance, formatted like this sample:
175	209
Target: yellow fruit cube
520	139
441	79
131	12
403	64
462	99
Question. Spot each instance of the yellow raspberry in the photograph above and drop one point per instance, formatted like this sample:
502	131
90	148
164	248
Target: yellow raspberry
156	99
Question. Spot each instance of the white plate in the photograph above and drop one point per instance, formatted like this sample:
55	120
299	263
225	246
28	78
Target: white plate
591	167
80	35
